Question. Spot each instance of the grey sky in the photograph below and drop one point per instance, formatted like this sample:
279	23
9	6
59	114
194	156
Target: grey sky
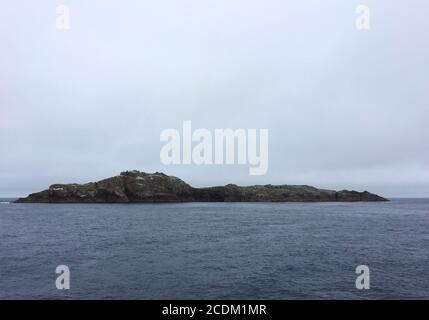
345	109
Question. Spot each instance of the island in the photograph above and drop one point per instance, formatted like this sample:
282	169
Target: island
135	186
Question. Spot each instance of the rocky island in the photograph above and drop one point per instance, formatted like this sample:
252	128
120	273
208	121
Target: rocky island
136	186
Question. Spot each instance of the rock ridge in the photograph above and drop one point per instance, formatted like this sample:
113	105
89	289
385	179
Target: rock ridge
136	186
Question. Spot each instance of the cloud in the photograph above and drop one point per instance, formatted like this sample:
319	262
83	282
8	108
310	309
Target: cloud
344	108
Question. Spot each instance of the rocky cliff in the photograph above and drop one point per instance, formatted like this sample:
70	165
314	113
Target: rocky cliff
135	186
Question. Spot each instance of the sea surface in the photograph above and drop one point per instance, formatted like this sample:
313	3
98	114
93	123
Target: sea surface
215	250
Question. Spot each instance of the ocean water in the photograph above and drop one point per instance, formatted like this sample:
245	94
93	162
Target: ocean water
215	250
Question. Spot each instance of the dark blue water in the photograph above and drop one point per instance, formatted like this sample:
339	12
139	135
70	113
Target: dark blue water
216	250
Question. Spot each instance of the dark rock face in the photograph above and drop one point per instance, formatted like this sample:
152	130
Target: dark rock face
135	186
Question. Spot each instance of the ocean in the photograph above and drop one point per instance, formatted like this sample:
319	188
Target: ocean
215	250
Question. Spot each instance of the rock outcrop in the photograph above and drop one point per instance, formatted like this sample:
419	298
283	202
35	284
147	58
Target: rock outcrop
135	186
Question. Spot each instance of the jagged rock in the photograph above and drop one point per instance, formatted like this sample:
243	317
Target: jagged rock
136	186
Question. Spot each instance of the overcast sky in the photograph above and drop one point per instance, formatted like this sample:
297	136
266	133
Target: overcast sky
345	109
